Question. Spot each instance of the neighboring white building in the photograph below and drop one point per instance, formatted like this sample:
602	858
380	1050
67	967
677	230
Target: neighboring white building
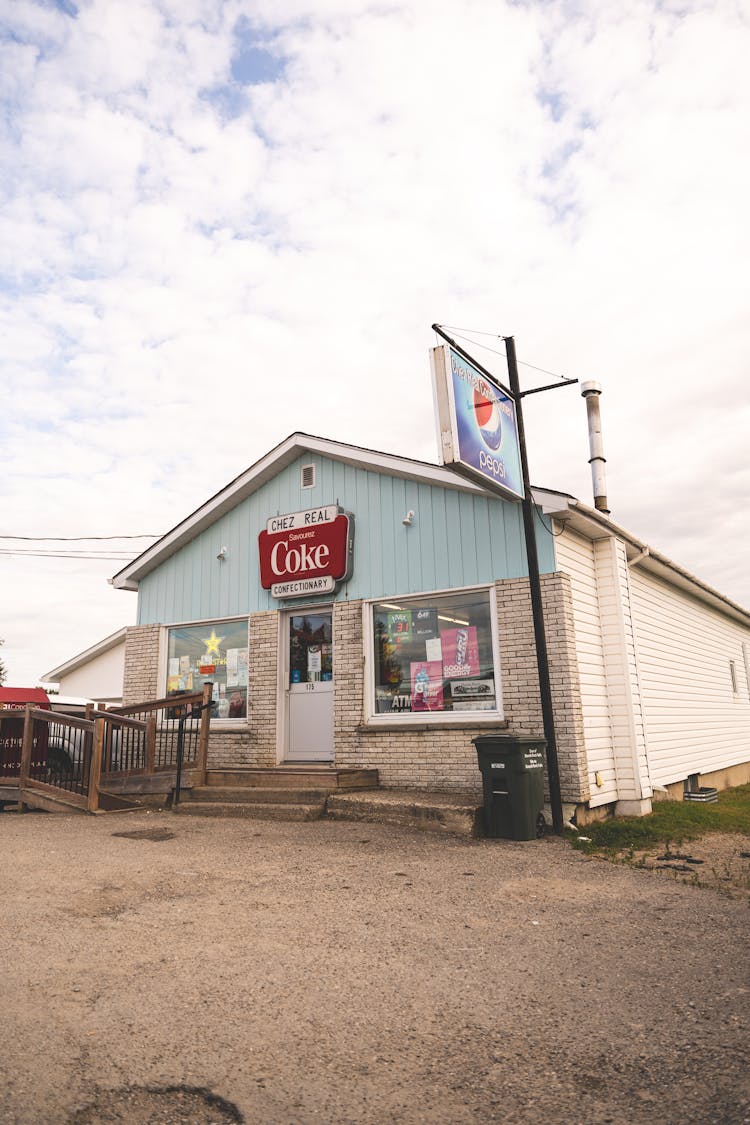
95	674
650	668
663	664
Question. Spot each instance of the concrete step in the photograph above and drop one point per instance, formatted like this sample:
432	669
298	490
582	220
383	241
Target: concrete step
252	795
434	812
293	777
256	810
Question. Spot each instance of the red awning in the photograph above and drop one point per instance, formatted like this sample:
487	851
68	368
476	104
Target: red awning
18	697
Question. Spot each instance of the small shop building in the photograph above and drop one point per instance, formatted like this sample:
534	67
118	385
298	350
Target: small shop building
362	610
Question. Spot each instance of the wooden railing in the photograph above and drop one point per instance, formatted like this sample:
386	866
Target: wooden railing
11	745
51	759
60	760
177	722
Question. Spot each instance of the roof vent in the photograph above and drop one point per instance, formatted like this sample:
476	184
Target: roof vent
308	476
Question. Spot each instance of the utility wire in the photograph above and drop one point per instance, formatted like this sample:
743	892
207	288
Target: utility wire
74	538
548	527
81	556
476	343
476	332
70	551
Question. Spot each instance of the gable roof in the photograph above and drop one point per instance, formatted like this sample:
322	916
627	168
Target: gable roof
84	657
264	470
558	505
593	524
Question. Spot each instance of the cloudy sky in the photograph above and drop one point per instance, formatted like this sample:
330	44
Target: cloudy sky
225	221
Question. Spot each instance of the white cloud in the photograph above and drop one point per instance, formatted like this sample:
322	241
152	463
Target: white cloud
185	271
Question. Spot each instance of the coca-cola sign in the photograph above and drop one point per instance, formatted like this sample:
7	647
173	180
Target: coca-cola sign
306	552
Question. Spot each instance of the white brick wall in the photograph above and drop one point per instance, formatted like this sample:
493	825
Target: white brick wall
140	681
428	758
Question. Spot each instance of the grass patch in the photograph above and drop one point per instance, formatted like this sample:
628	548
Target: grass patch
670	822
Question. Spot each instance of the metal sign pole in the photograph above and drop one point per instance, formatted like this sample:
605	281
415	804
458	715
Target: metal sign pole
527	506
545	688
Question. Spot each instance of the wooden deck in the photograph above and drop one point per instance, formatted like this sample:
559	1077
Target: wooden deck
65	763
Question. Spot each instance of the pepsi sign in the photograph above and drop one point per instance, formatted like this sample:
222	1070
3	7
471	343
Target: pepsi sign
303	555
477	421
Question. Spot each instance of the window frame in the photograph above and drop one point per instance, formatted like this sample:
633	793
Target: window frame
225	724
420	719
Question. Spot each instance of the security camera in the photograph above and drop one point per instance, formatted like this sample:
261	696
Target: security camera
222	554
407	520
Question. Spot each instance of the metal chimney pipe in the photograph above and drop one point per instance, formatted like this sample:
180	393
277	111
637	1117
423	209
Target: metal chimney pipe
591	391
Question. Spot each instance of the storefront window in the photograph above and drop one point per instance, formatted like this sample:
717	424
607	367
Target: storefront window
215	652
434	654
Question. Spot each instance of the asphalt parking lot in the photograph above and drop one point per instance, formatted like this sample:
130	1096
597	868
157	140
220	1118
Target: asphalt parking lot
199	970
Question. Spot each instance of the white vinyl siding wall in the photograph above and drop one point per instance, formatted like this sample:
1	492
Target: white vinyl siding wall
695	723
621	663
575	556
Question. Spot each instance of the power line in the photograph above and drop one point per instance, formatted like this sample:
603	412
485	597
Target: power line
74	538
80	555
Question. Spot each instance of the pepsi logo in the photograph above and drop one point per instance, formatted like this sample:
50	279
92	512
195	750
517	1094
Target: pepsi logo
488	417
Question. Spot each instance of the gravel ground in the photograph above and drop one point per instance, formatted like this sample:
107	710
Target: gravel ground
720	860
337	972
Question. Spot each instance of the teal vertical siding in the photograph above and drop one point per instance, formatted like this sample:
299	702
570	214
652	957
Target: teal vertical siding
456	539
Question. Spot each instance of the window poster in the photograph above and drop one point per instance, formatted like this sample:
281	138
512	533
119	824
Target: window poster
424	623
474	705
241	667
232	667
472	689
433	648
184	665
399	626
426	685
222	709
391	667
460	651
173	684
174	666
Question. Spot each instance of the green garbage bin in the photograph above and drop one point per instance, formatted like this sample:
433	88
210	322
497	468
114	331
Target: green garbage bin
512	768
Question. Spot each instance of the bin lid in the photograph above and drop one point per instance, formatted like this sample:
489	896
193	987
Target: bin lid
507	741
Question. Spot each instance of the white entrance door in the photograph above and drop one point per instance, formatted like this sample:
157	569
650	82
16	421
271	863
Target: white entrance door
309	687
